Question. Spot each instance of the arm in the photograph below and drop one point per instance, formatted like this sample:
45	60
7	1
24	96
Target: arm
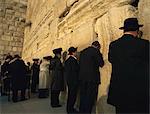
110	59
99	58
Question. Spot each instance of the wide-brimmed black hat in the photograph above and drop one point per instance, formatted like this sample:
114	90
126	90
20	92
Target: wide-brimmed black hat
35	59
57	51
47	57
72	49
131	24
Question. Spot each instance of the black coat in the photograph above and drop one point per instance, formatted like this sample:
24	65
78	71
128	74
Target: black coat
57	74
35	73
90	61
71	71
129	57
5	69
17	70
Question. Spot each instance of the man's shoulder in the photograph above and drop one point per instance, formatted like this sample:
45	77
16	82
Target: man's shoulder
143	40
70	59
116	41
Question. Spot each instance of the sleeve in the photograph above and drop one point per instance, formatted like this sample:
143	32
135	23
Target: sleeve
110	59
52	64
99	59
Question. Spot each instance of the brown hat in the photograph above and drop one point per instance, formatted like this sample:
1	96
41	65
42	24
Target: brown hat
131	24
57	51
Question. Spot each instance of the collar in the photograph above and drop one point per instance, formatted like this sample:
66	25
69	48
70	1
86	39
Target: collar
72	56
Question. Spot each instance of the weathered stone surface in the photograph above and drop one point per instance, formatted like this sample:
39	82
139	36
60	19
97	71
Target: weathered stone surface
12	26
144	16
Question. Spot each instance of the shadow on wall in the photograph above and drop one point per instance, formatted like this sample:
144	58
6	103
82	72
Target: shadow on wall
103	107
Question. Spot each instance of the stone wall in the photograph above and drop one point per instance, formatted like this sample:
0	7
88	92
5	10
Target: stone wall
12	21
64	23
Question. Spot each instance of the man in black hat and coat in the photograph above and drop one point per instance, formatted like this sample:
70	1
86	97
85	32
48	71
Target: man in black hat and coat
129	84
5	75
35	68
57	84
17	70
72	78
90	61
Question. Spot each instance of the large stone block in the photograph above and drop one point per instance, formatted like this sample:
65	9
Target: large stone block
17	34
12	28
5	26
144	16
6	38
9	11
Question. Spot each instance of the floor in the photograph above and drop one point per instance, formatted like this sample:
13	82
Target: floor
31	106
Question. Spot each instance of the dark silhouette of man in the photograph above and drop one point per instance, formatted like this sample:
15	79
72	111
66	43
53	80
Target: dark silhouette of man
129	84
57	84
89	76
72	79
35	75
17	70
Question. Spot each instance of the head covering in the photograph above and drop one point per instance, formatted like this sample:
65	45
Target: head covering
8	57
35	59
131	24
17	56
47	57
57	51
72	49
96	44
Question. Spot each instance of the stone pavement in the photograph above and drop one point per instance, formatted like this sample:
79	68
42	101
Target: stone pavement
31	106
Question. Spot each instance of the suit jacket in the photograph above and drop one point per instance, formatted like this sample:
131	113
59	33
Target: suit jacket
57	74
90	61
71	71
129	57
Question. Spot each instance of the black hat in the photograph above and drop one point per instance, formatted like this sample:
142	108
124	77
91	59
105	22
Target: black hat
17	56
35	59
47	57
96	43
8	57
131	24
57	51
72	49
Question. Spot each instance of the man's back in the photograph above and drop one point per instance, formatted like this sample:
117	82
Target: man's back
129	82
71	70
90	61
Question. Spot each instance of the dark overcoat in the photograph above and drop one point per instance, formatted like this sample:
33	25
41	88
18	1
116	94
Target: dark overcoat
17	70
71	71
129	82
90	61
35	73
57	74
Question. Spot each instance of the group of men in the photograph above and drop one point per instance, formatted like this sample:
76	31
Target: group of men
13	74
129	84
